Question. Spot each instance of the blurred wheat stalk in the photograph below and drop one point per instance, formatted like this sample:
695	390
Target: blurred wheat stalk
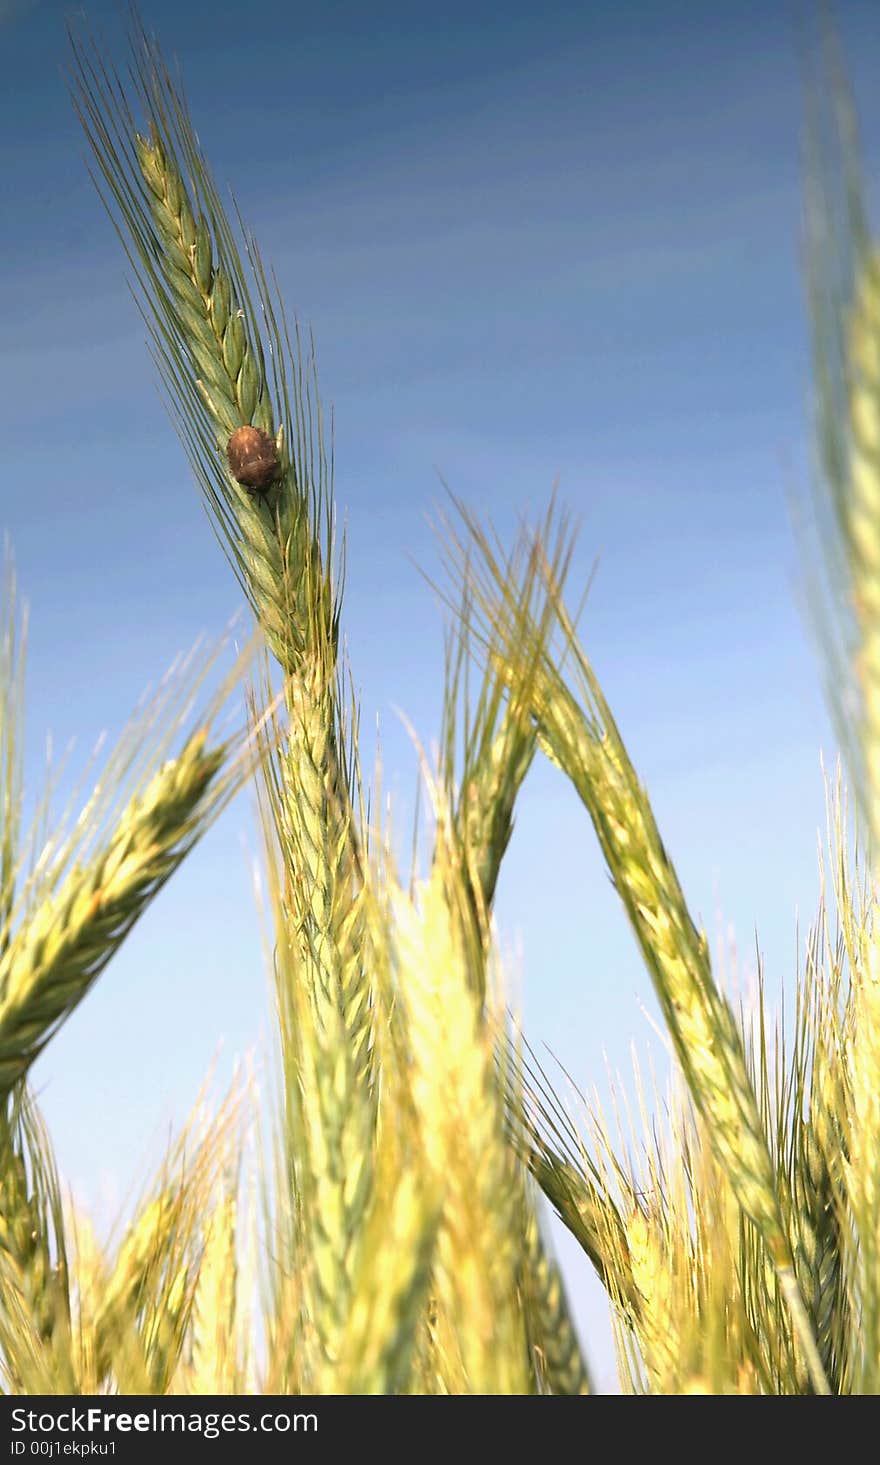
384	1233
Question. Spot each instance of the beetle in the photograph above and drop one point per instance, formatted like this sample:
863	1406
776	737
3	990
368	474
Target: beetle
253	459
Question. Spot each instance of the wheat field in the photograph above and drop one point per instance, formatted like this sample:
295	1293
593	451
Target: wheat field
382	1229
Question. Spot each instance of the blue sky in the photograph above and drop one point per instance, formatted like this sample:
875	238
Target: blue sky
534	243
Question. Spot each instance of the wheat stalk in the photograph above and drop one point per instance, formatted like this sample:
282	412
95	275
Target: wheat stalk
229	369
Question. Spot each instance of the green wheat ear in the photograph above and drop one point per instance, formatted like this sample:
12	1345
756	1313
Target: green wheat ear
92	881
226	358
245	404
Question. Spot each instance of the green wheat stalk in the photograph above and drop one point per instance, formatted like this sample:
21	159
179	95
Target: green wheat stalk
229	363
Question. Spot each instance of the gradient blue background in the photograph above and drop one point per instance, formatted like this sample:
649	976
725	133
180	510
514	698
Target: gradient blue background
533	243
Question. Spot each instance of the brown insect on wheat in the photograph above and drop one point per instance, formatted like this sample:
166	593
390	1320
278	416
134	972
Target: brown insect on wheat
253	459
